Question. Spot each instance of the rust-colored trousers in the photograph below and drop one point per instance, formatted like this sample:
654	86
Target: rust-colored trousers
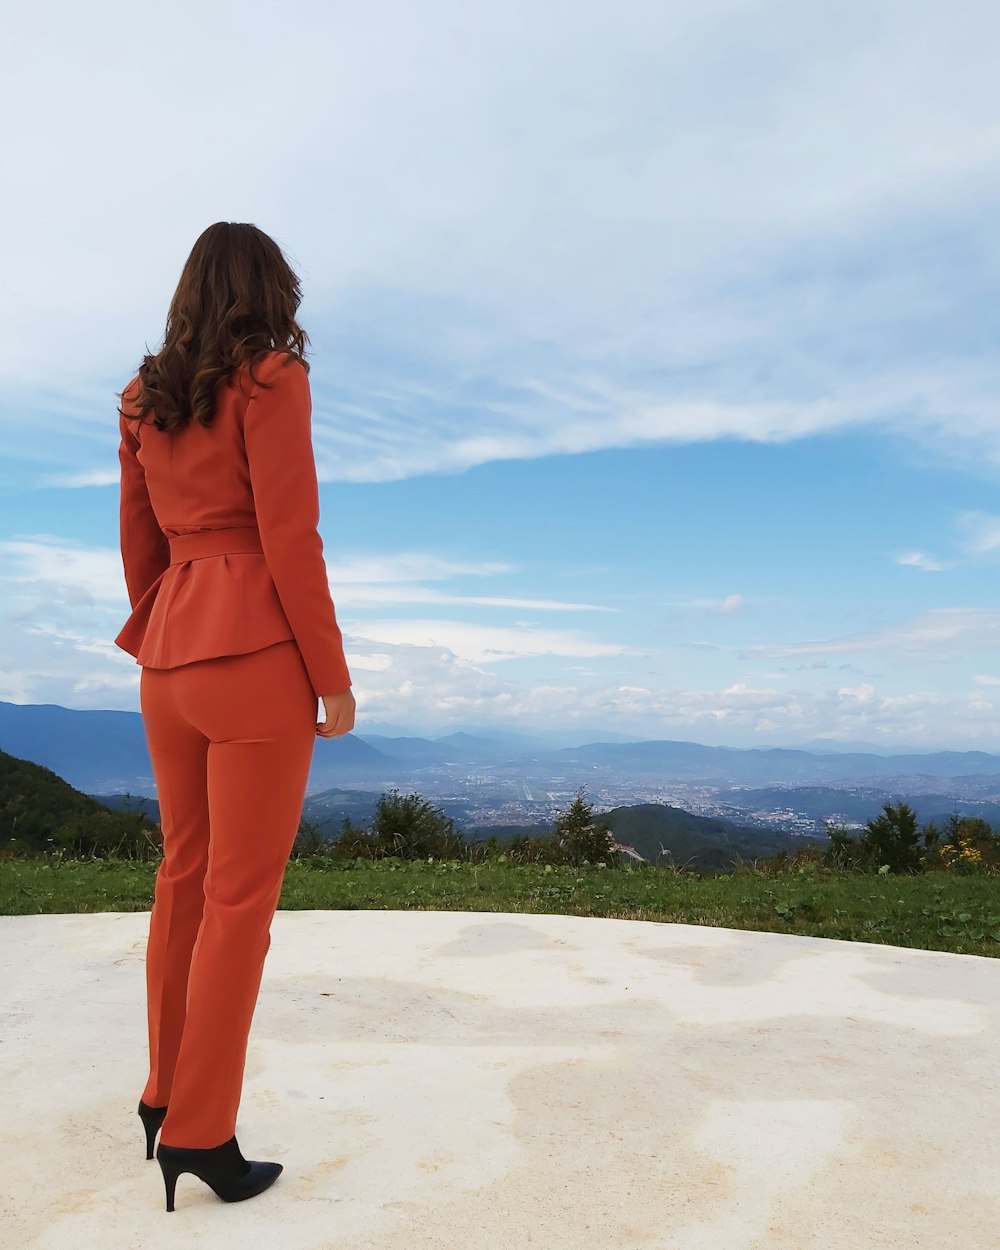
231	741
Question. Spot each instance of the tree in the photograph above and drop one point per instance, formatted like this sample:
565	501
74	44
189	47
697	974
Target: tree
584	836
893	838
844	850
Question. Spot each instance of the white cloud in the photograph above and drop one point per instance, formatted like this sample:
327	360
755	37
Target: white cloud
51	563
921	560
979	535
747	692
431	675
523	230
79	479
981	532
863	694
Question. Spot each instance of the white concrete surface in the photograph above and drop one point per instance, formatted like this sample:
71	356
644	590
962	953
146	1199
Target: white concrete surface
471	1080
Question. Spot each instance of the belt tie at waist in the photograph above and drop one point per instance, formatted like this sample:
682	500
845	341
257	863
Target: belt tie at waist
217	542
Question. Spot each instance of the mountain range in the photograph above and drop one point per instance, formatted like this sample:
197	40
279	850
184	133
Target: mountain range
106	752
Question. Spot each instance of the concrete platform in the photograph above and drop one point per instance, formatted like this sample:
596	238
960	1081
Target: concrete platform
474	1080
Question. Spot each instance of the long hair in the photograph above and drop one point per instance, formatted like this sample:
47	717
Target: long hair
236	300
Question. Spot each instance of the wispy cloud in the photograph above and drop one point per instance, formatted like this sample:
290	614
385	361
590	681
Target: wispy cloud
351	593
742	232
81	478
42	561
729	603
978	536
603	414
537	235
484	643
939	634
410	566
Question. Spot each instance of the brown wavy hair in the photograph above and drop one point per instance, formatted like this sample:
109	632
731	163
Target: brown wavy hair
237	299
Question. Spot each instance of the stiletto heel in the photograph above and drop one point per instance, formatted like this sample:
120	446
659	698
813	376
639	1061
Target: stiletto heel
152	1119
170	1174
222	1168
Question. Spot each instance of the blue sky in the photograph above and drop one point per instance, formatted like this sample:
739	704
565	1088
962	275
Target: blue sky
653	349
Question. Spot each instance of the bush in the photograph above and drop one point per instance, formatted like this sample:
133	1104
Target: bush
891	842
970	845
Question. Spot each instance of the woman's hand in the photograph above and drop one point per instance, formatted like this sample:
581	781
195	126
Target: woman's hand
339	709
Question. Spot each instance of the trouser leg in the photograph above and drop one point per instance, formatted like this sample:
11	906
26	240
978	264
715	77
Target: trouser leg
179	755
259	711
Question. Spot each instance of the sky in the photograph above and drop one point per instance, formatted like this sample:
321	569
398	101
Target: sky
653	348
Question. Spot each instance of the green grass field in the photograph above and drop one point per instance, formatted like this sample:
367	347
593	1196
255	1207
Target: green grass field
934	911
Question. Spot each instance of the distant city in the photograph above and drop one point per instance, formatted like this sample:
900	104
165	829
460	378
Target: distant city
795	792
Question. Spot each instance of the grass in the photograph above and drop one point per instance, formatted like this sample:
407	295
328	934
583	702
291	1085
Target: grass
940	911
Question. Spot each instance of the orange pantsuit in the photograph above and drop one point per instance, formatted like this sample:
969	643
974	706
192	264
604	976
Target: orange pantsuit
236	631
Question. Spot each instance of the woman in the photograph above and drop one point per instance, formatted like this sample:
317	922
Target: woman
233	624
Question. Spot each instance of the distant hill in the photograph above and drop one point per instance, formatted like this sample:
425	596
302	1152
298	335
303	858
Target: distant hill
93	750
455	748
105	752
824	746
127	802
692	762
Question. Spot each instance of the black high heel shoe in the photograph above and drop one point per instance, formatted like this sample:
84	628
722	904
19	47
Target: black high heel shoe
222	1167
152	1119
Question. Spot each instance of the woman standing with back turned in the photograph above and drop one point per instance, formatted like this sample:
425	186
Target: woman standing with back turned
233	624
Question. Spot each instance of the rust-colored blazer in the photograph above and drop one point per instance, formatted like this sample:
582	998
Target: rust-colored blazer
219	537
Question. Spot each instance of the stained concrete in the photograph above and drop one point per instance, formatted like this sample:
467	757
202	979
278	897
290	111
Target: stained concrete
474	1080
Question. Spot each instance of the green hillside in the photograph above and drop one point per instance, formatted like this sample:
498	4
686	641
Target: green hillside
40	811
705	844
662	834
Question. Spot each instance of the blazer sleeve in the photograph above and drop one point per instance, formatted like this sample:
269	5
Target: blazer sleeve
277	431
145	547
